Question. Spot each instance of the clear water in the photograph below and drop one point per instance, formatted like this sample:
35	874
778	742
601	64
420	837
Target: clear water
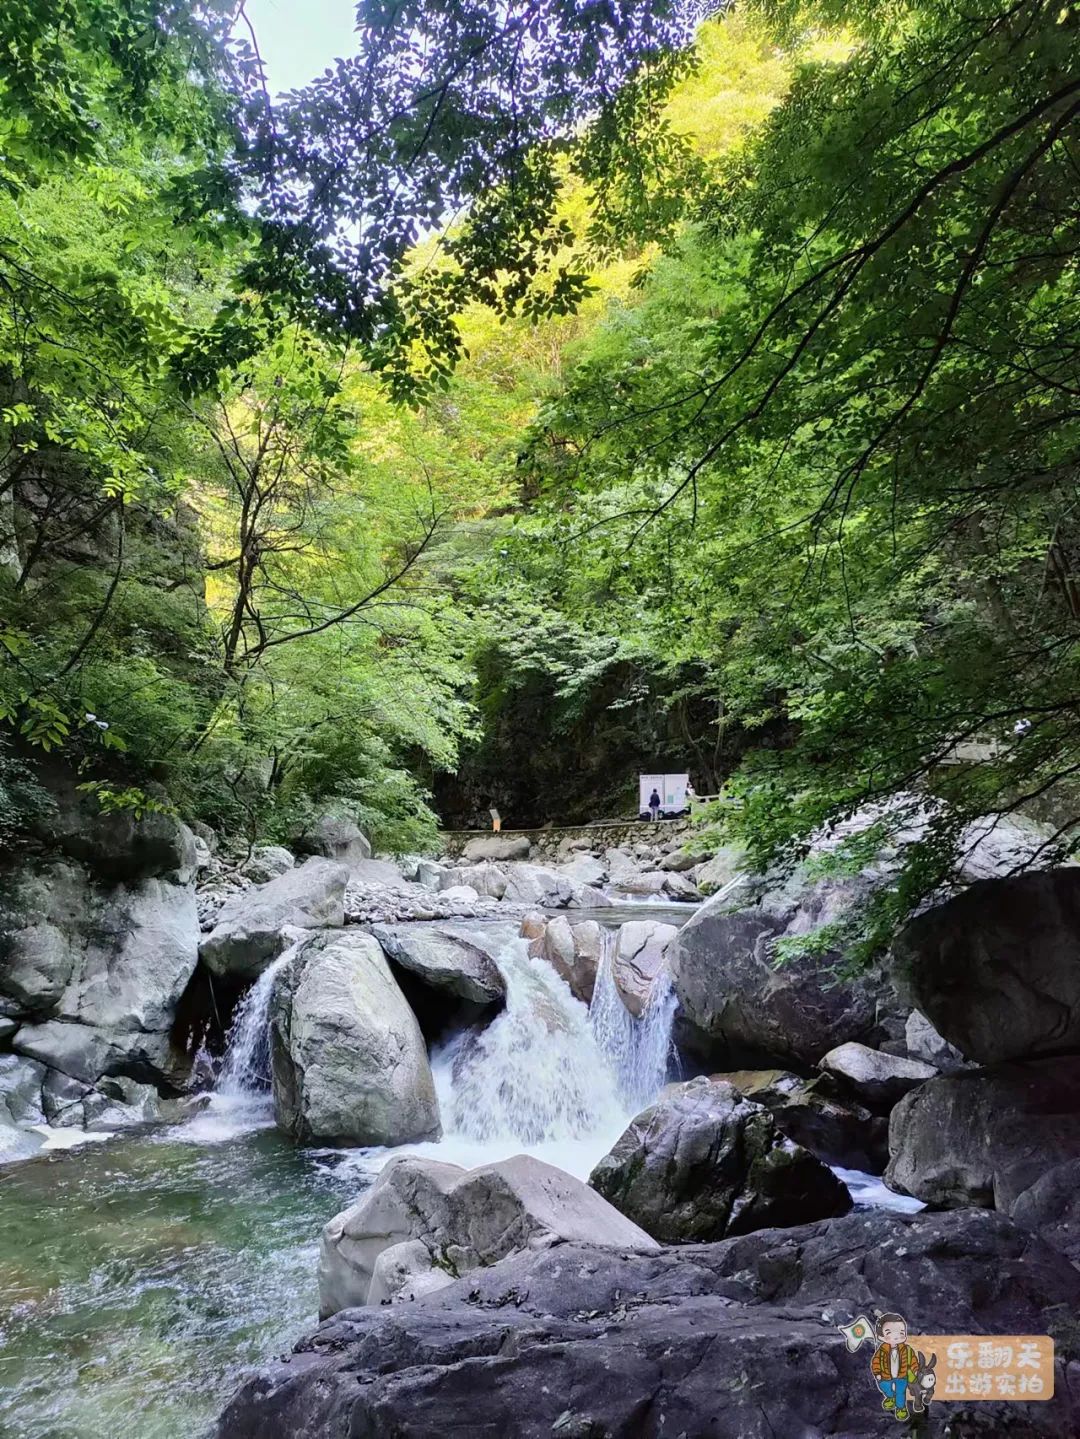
140	1276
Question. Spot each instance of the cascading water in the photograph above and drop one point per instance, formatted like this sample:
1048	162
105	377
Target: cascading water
246	1066
637	1049
547	1074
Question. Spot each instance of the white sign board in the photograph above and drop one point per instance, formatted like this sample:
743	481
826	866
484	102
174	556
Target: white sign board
670	787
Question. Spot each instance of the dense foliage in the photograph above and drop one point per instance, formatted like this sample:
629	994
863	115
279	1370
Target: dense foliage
531	398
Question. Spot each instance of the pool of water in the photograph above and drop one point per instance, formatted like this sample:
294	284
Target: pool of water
140	1276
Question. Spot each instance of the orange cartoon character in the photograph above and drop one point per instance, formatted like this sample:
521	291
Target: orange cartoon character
895	1364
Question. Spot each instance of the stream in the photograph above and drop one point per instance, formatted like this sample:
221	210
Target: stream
140	1275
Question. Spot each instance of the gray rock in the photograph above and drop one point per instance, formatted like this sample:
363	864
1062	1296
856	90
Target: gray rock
703	1162
429	873
680	862
7	1027
641	950
875	1077
336	837
923	1042
458	958
996	969
742	1006
586	869
485	878
460	894
62	1097
809	1112
725	867
496	847
984	1137
532	884
404	1272
649	882
85	1052
466	1218
249	930
204	856
20	1090
115	846
574	952
266	862
349	1062
1051	1208
117	1103
736	1340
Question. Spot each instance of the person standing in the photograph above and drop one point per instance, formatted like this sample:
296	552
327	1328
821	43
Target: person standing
654	805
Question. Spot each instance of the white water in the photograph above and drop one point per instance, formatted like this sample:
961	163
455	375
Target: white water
547	1076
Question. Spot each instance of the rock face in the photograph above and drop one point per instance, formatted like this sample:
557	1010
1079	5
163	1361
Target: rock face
726	1341
810	1112
249	930
741	1007
349	1062
496	847
457	958
984	1137
93	968
703	1162
875	1077
923	1042
997	968
641	951
465	1218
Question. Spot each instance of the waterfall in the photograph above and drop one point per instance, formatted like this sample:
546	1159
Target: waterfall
638	1050
547	1074
245	1069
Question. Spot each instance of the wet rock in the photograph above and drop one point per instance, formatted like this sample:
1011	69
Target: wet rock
736	1340
249	930
641	950
120	1104
20	1090
875	1077
349	1062
997	968
465	1218
809	1112
703	1162
460	959
982	1138
573	951
86	1052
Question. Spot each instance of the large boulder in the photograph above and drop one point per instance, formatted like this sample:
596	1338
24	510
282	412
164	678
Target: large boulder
266	862
742	1005
496	847
875	1077
85	1052
533	884
333	836
586	869
1051	1208
466	1218
810	1112
574	952
89	958
641	950
985	1136
249	933
996	969
925	1043
459	958
737	1340
723	869
703	1162
349	1062
485	878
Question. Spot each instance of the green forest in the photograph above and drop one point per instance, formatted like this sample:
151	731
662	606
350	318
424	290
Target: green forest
548	391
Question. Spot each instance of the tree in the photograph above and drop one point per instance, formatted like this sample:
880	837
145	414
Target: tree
846	409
